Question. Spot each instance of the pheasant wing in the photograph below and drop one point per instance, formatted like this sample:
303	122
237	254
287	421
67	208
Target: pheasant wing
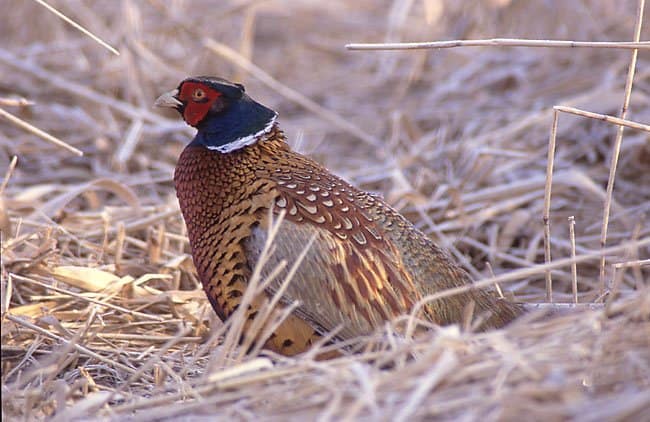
352	275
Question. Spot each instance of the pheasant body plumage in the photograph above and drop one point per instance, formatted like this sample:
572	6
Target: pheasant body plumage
365	263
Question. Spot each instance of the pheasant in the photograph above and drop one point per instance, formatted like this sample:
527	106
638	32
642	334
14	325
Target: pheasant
366	263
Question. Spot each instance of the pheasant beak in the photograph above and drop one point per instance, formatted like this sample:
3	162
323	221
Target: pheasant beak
169	99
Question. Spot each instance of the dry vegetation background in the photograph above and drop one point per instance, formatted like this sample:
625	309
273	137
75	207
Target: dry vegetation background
102	313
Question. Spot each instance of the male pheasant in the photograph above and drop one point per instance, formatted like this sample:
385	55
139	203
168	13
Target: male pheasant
367	264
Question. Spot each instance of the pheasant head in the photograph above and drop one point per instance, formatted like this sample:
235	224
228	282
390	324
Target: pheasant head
226	118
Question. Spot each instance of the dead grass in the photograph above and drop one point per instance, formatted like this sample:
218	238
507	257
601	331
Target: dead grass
102	312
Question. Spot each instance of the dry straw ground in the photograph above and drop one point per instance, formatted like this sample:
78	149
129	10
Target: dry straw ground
102	314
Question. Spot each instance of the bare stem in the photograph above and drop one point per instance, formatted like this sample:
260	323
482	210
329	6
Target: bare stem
574	266
41	134
78	27
610	119
499	42
617	142
547	204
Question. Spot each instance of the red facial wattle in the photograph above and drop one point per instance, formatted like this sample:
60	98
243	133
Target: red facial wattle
196	109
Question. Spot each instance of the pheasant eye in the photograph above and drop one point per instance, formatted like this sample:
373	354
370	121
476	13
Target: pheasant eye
198	94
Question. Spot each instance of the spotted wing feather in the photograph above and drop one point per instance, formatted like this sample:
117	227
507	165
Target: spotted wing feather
353	274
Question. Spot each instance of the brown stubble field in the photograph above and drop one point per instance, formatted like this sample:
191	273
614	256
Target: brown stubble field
102	313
